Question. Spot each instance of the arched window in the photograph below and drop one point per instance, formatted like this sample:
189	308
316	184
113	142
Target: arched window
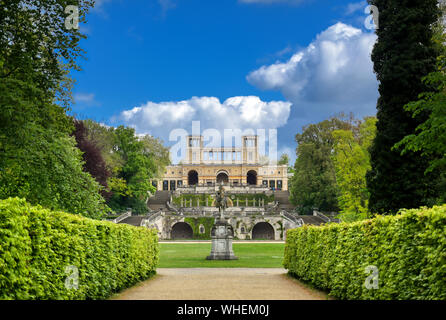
263	231
222	177
192	178
251	177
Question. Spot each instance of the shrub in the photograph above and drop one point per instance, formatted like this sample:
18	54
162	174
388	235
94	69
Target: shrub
409	251
37	245
241	197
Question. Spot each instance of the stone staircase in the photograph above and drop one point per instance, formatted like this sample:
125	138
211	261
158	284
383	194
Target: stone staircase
133	220
159	200
314	220
283	198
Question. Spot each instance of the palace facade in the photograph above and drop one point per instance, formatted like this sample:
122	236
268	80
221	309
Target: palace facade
234	166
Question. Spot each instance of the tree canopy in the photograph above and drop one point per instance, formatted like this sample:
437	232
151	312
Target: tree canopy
403	54
352	161
429	137
46	156
133	160
314	181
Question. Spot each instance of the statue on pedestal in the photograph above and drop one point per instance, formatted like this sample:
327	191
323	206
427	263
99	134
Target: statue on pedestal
222	232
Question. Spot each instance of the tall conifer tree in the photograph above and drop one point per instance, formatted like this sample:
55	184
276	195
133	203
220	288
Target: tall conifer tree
403	54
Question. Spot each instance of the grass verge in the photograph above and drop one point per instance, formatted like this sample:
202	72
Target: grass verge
193	255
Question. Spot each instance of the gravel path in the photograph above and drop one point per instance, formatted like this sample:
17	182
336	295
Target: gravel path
221	284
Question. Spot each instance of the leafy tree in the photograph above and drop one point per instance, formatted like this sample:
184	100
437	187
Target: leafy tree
105	139
39	161
352	161
133	160
93	161
314	181
284	160
131	181
429	137
35	45
439	30
156	150
403	54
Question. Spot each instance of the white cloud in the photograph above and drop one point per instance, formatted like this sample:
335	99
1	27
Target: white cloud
234	113
356	6
334	73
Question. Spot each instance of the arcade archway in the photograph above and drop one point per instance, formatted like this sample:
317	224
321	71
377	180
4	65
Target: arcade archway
263	231
222	177
181	230
251	177
192	178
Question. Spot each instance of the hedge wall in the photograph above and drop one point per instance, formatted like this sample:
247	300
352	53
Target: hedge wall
37	245
242	199
409	251
194	197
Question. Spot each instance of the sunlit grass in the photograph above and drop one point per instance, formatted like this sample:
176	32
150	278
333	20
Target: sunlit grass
193	255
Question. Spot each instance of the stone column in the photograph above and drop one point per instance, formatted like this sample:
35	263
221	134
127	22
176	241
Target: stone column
207	202
254	202
198	202
237	202
190	203
246	201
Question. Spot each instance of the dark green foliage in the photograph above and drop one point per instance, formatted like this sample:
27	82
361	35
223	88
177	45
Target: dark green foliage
403	54
429	137
38	244
409	251
39	161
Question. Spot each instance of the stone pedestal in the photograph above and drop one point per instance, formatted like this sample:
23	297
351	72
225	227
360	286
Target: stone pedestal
222	234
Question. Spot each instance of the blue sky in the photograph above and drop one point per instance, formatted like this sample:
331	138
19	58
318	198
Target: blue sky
157	65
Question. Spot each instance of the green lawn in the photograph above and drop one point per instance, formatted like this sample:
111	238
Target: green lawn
193	255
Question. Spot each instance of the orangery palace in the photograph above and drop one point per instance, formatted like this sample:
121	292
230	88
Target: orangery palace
260	208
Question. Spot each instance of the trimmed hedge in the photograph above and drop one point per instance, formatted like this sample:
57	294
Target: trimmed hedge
37	245
409	251
242	199
194	197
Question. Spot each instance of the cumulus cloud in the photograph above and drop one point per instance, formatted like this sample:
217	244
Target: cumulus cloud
334	73
240	112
